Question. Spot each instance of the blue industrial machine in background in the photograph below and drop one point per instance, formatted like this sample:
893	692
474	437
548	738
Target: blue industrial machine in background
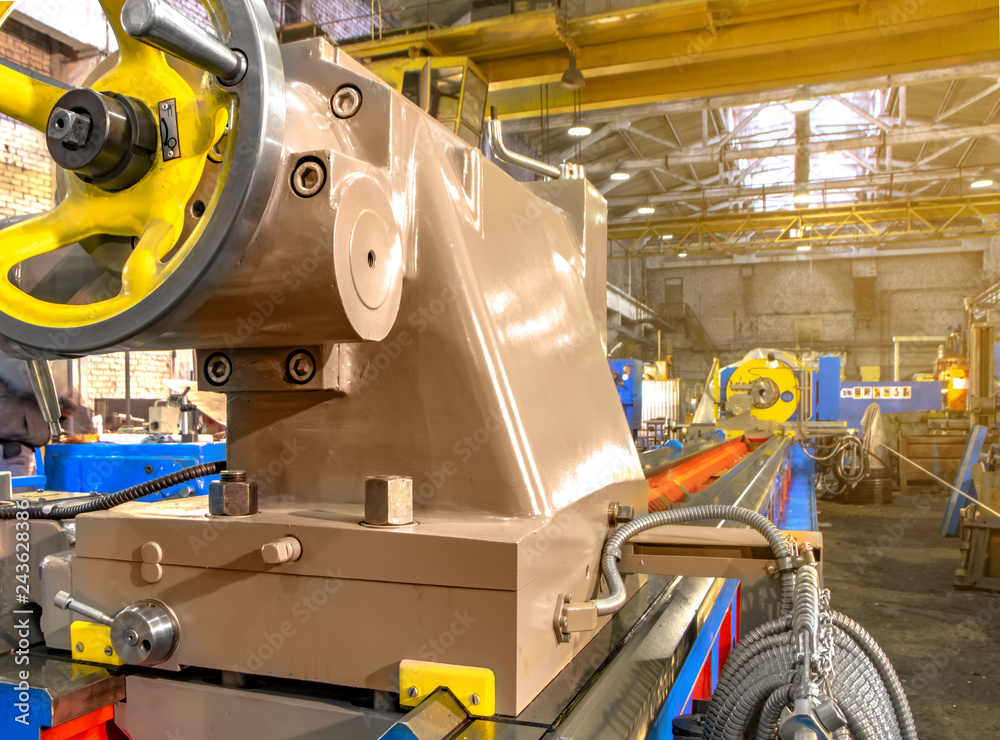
628	380
106	468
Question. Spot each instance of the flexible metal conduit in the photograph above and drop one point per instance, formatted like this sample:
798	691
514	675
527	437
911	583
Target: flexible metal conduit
501	152
613	547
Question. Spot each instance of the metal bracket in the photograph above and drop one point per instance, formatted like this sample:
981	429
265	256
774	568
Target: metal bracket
570	617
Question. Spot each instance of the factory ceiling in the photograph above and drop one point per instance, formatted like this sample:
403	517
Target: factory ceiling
694	137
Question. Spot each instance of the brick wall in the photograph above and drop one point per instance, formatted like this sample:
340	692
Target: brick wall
103	376
26	170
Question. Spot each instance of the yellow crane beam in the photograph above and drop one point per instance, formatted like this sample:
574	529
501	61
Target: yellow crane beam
692	48
870	224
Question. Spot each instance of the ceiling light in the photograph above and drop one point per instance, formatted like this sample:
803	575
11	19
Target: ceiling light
802	198
620	176
579	129
665	237
682	254
794	233
803	248
801	101
982	179
572	78
646	210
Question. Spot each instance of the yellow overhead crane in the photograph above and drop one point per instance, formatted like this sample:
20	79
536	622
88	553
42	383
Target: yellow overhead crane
693	48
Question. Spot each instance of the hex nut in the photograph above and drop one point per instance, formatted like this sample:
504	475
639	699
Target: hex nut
388	500
233	495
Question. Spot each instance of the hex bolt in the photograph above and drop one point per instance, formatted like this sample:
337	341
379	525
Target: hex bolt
308	178
388	501
232	495
218	369
412	692
346	102
69	127
300	366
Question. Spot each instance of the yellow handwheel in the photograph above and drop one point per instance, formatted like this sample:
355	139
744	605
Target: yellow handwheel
774	392
166	167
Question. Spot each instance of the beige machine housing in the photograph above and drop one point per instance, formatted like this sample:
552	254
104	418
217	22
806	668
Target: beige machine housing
457	319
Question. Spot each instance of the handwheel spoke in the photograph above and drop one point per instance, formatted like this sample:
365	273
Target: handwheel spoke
27	99
144	267
66	224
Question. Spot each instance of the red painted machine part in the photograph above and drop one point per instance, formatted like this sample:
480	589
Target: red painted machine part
689	477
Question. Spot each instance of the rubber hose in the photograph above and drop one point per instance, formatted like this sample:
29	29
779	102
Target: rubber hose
61	511
616	597
901	705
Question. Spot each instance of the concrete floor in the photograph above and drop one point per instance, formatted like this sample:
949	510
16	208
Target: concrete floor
887	567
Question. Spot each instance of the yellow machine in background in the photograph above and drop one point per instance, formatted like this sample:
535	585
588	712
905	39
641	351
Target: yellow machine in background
766	386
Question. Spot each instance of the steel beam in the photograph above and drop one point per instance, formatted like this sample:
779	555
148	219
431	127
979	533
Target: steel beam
860	224
636	112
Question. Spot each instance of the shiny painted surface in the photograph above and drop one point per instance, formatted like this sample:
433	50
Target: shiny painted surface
689	478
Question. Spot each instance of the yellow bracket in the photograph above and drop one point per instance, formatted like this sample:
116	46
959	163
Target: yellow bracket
474	687
92	643
152	211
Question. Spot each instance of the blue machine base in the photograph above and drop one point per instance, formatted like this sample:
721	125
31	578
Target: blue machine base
107	468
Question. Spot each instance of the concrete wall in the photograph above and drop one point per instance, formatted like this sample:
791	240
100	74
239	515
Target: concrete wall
822	305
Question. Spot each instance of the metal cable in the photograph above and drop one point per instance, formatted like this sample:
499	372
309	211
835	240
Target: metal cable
69	511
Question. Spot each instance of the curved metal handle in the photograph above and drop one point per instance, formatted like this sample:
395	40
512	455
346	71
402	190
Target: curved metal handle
155	23
504	154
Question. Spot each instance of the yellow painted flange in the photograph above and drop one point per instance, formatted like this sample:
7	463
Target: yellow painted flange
92	642
474	687
151	211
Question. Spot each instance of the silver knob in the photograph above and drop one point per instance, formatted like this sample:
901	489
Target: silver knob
144	633
156	24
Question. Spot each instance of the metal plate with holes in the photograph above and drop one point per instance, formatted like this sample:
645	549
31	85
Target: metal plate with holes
167	111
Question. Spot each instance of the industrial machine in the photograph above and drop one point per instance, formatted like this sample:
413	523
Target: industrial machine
425	526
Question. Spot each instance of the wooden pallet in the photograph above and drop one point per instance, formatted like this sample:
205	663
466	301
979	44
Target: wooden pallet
980	533
939	453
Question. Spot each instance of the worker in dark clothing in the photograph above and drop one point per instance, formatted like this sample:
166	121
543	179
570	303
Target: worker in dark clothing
22	426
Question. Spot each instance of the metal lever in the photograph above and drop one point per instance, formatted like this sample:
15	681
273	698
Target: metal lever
63	600
40	373
155	23
144	633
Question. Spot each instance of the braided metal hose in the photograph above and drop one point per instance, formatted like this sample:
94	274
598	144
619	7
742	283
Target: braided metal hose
770	715
616	597
805	625
878	658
